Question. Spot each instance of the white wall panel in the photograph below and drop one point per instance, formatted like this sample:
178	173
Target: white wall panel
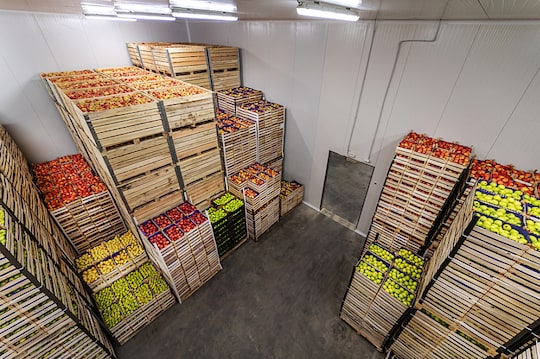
502	62
35	43
518	141
345	59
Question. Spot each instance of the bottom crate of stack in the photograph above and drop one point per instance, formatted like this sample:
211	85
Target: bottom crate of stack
382	288
182	243
258	222
228	219
132	302
291	195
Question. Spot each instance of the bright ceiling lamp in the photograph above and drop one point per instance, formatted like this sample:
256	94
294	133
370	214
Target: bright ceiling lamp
210	5
203	15
346	3
145	16
109	18
104	8
127	7
139	11
325	11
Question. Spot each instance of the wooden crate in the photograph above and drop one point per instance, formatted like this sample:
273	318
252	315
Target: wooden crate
189	261
187	110
134	55
118	126
258	223
90	220
135	322
276	165
531	352
190	141
485	287
185	62
230	231
200	166
138	156
239	148
150	190
229	100
201	191
290	199
224	67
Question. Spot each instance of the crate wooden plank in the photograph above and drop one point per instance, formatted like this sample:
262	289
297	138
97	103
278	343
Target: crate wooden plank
200	166
189	141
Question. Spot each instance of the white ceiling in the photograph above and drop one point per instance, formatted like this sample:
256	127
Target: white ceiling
369	9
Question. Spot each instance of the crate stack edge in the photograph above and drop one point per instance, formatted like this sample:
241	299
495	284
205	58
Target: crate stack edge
49	308
490	270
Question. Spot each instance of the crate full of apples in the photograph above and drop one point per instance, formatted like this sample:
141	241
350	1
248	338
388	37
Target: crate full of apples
173	224
227	217
137	297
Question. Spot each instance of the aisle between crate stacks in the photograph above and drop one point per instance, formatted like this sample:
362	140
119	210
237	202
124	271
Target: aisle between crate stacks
228	219
182	243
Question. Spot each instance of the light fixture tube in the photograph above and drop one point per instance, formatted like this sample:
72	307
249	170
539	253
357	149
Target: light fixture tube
228	6
137	16
315	9
108	18
121	7
203	15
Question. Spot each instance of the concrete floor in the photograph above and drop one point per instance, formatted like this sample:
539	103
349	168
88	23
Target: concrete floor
276	298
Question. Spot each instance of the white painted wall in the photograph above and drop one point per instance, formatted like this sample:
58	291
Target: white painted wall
35	43
478	84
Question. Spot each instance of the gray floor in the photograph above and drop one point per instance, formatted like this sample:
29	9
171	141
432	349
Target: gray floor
277	298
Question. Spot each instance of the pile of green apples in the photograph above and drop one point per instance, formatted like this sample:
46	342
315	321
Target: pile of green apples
510	203
375	262
503	229
498	213
370	272
500	190
403	279
233	205
381	253
224	199
411	257
216	214
398	291
408	268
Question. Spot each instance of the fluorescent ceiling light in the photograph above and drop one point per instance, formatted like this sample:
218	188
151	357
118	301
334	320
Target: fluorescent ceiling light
346	3
98	8
325	11
139	16
216	5
108	17
121	7
203	15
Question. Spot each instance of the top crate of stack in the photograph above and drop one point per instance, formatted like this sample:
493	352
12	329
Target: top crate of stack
224	67
209	66
230	100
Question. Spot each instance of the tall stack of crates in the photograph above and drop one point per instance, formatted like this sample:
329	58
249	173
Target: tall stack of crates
228	219
420	187
48	308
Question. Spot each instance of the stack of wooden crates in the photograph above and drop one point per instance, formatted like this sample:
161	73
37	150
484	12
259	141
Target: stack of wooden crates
210	66
48	309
